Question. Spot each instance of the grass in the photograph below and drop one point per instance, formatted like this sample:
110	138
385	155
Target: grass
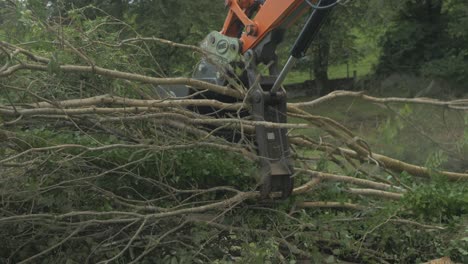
365	44
425	135
362	67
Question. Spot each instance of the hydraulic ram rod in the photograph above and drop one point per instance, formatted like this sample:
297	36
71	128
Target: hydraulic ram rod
305	38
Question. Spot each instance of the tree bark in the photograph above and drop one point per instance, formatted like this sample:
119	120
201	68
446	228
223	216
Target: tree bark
320	64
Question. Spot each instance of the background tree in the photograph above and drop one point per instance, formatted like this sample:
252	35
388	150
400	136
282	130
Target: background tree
336	42
453	65
180	21
177	20
426	38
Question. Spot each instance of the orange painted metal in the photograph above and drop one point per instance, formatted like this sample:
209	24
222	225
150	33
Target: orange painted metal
272	14
238	10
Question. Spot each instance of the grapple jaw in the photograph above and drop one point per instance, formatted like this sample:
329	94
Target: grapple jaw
272	142
218	66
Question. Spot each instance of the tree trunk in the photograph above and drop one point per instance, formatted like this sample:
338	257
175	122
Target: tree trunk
320	64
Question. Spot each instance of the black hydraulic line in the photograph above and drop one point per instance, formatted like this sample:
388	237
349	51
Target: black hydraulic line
305	38
322	6
311	28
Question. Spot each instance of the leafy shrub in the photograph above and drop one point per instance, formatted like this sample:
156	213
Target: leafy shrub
439	201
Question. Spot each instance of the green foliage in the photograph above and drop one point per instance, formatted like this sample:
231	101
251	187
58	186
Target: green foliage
75	180
257	253
458	247
336	42
203	167
176	20
464	140
427	37
148	178
393	128
453	67
180	21
439	201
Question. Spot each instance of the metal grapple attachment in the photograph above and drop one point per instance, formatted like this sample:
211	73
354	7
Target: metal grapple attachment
272	142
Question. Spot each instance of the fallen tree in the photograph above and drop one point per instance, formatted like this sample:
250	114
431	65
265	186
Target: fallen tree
96	167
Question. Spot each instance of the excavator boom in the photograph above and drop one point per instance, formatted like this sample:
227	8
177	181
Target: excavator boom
251	32
268	15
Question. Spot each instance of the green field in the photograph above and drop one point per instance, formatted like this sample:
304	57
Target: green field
366	45
425	135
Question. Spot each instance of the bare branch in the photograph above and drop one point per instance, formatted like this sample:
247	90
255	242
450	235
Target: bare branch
337	205
456	104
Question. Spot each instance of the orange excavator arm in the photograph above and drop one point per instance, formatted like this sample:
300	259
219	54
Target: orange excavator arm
267	16
250	35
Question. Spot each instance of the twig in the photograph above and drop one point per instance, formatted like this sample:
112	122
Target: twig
337	205
456	104
80	228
